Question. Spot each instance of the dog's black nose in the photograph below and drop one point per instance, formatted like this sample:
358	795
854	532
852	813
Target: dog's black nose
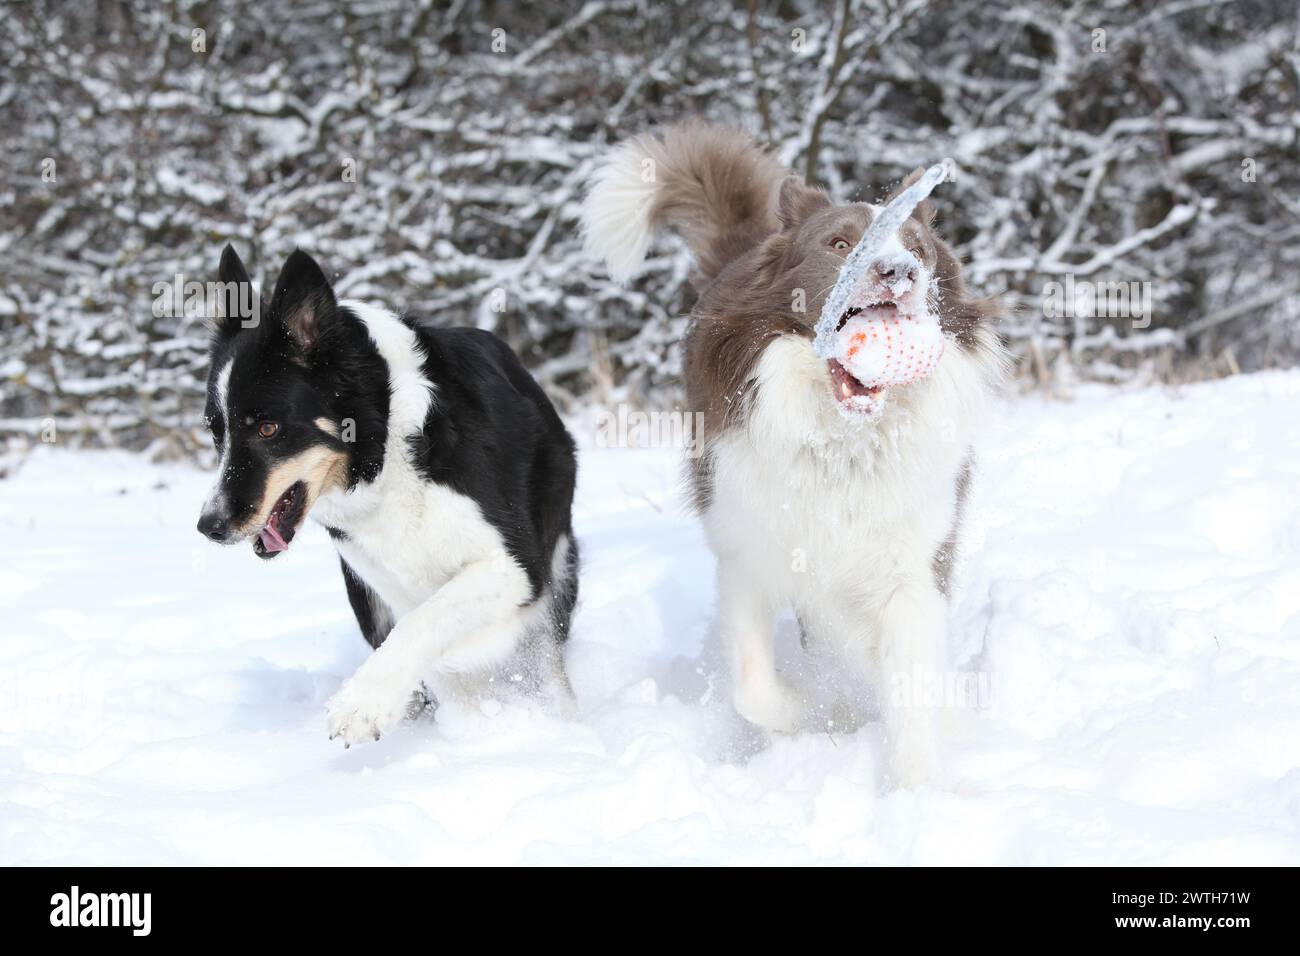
215	526
889	270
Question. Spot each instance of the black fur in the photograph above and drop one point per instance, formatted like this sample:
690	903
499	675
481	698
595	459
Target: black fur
374	616
491	434
276	376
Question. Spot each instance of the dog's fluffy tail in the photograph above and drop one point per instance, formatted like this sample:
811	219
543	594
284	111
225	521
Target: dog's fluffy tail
713	185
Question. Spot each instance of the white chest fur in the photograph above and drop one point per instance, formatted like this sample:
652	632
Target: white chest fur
405	537
817	505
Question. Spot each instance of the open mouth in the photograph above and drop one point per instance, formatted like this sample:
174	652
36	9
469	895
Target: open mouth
882	309
282	523
848	390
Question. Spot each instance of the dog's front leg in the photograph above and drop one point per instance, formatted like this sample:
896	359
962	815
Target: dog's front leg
745	620
470	623
911	651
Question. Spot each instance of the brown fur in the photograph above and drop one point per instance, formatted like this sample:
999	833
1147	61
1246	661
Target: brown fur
717	189
945	559
762	242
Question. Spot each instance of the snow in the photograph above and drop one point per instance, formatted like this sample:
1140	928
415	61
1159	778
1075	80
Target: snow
1130	589
173	183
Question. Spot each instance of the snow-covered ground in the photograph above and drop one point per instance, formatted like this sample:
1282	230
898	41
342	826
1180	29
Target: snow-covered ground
1131	592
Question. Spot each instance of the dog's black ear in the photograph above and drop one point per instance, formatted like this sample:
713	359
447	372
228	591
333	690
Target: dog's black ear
235	308
798	201
232	267
924	211
303	301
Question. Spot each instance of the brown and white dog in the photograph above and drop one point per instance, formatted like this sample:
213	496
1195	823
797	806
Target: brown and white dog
816	492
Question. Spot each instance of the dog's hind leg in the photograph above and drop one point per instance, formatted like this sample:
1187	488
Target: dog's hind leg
474	621
538	670
564	596
564	587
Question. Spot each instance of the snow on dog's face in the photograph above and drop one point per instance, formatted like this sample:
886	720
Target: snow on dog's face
910	298
887	335
273	422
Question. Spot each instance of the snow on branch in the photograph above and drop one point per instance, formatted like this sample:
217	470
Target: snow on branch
1149	153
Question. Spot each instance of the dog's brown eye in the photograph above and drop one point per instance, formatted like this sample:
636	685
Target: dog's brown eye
840	245
268	429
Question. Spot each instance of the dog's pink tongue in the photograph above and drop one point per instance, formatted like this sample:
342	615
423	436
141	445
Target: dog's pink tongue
271	540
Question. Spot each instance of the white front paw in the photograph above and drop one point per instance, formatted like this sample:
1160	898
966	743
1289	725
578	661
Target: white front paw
771	704
368	705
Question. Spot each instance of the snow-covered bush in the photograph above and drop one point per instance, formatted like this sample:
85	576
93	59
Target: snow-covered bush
432	156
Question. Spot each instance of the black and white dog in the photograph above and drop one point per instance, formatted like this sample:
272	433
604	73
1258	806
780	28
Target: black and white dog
442	472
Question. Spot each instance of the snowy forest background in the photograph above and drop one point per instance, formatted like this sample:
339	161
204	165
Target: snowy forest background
134	149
